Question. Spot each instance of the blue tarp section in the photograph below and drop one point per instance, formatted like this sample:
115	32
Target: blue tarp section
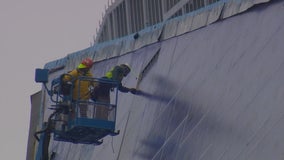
153	34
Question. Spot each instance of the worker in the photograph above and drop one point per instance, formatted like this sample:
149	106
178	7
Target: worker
101	91
81	89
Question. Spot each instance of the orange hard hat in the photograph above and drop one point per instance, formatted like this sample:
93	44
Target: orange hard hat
86	63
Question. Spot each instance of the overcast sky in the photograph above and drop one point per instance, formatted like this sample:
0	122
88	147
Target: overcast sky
32	33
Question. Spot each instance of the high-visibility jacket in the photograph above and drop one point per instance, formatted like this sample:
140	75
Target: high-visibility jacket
101	90
116	73
84	85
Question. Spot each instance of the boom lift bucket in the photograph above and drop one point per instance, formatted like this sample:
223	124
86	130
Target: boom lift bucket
67	122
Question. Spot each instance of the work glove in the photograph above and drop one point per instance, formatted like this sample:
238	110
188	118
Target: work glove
133	90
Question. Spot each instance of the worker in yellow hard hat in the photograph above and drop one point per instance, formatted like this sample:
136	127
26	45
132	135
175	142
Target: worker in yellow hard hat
101	92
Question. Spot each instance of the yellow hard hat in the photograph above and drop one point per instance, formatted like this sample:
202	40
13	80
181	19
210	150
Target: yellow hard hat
126	69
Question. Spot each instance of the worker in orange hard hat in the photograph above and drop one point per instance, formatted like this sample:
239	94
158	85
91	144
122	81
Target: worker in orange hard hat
83	69
86	63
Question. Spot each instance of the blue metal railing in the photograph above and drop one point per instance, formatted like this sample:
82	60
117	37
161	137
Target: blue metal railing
78	120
